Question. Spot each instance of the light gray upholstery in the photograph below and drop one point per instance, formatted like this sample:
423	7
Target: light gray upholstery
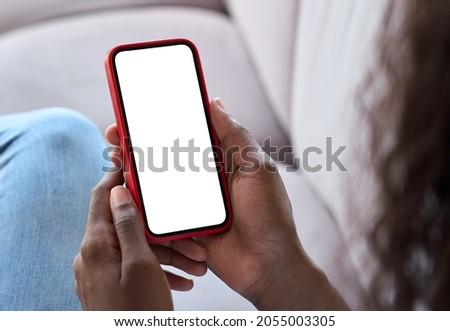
16	14
60	63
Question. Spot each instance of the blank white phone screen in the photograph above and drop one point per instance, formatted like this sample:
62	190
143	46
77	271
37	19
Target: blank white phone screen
166	120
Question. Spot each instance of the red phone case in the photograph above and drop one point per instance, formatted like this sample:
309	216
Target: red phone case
130	170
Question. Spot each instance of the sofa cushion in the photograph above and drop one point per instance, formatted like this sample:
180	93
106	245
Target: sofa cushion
15	14
268	29
60	62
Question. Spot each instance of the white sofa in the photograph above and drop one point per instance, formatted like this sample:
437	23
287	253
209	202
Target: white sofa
285	69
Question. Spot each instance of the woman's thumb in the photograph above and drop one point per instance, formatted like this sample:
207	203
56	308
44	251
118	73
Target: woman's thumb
128	223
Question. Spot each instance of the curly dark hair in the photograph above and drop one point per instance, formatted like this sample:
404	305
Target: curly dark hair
411	153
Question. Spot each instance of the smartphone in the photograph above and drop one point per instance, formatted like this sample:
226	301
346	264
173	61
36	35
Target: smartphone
173	166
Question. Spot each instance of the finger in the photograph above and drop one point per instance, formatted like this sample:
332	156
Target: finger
112	135
229	131
206	240
77	265
128	225
99	208
116	157
236	141
179	283
188	248
168	256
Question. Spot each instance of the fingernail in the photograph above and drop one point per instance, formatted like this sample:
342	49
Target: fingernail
220	103
120	196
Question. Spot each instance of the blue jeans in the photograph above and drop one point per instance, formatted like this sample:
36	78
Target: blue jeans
49	162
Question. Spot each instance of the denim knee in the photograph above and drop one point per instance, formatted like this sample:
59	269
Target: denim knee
53	139
61	128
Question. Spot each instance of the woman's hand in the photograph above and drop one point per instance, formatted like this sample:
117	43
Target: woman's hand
261	257
116	268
